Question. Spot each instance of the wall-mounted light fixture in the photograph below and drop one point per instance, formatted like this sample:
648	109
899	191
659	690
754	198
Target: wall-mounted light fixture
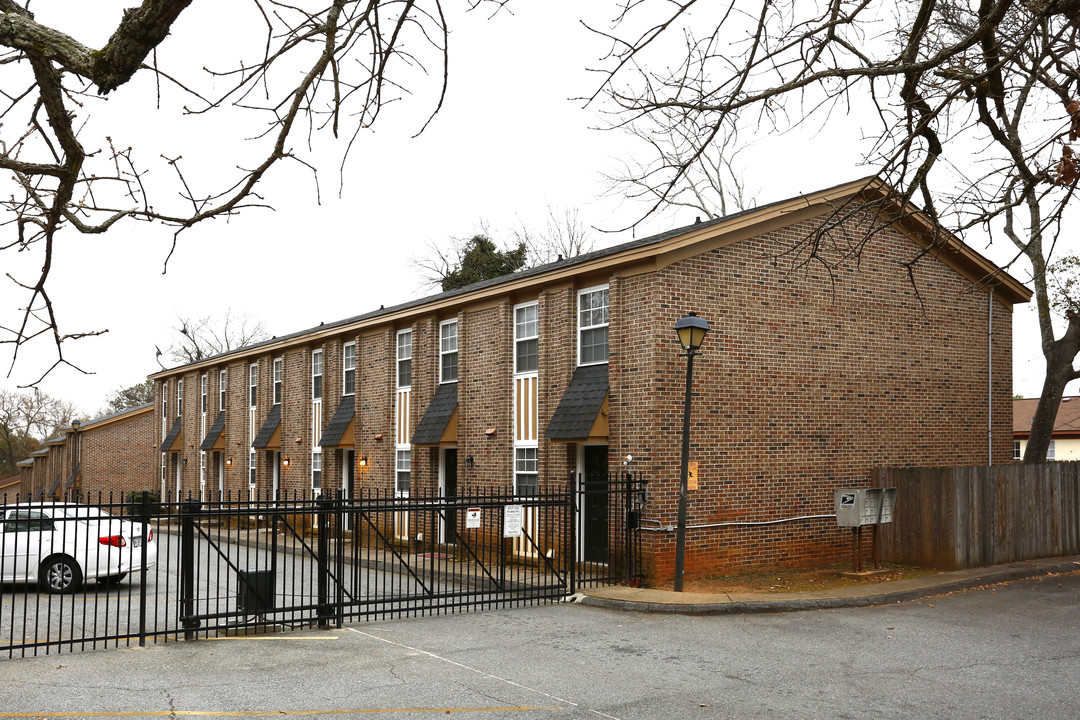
185	461
228	462
363	461
286	462
469	461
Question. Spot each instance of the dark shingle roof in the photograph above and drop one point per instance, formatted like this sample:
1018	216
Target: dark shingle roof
170	438
580	404
215	432
437	416
335	430
266	432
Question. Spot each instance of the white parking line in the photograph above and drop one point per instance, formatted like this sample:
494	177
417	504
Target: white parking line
479	672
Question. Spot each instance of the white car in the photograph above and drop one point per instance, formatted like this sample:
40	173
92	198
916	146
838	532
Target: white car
58	545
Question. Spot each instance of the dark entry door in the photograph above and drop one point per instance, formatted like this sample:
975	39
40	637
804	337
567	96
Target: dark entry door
450	492
595	504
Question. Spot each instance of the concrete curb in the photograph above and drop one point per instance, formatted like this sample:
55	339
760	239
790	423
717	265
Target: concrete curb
877	594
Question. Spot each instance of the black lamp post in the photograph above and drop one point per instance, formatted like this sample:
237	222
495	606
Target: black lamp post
691	330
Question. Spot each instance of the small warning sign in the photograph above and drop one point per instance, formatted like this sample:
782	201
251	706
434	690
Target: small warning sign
691	476
513	515
472	518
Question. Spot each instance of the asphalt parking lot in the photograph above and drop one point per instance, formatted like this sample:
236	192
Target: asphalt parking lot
1004	651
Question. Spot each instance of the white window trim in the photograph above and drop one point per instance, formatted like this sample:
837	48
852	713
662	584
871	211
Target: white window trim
316	354
346	367
517	339
223	385
442	352
400	359
577	322
179	397
253	382
279	381
204	400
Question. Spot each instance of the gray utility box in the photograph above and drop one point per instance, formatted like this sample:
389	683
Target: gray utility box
856	507
255	594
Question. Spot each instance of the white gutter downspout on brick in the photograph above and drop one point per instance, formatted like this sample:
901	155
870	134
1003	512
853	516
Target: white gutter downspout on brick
990	379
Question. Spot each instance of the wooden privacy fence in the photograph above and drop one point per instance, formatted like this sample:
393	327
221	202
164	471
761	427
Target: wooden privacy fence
965	517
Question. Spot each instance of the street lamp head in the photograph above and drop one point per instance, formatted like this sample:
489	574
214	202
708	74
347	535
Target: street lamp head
691	331
76	424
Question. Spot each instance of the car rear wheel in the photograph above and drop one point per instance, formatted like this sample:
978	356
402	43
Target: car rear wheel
60	574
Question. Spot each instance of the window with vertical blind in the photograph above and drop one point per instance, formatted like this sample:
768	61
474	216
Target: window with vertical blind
348	365
448	351
593	326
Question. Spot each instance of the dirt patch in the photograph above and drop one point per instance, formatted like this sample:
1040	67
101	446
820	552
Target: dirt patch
804	580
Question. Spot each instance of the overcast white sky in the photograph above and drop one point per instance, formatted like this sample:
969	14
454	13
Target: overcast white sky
509	143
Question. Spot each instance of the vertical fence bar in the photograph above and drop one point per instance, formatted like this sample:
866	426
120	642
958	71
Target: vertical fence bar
571	515
325	505
144	516
188	511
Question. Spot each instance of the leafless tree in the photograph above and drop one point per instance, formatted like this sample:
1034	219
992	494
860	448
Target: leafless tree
313	67
26	419
205	337
976	104
709	183
564	235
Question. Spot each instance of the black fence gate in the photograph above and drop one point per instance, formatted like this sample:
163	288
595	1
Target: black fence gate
157	572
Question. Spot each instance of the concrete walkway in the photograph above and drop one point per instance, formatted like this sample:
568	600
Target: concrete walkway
883	593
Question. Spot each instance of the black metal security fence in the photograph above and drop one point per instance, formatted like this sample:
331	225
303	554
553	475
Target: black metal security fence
109	573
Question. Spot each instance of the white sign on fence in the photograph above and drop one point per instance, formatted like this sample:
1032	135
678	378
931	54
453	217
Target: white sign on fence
472	518
513	517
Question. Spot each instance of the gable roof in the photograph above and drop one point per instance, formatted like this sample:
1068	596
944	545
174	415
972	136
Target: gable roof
1066	424
657	251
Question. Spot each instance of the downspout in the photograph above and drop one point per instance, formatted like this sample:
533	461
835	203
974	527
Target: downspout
990	378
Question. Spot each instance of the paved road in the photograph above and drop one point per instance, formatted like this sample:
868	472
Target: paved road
1006	652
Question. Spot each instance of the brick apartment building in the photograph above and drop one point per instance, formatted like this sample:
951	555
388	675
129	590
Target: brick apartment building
809	378
114	453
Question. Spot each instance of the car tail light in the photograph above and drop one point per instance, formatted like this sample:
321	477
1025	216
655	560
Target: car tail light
149	534
113	540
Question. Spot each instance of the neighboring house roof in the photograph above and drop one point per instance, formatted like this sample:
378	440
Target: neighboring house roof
119	415
28	462
1066	424
10	482
658	251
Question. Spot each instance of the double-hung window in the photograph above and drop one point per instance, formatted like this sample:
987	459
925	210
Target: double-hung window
404	359
202	393
278	369
403	468
448	351
316	375
222	385
348	364
253	384
525	475
593	326
526	338
179	397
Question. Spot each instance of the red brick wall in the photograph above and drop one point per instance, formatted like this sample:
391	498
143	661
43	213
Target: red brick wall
805	384
119	456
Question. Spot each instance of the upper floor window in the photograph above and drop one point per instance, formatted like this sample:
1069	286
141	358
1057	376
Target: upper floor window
278	369
448	351
165	400
253	384
202	394
348	363
404	359
593	326
221	389
1017	455
526	334
316	375
179	396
